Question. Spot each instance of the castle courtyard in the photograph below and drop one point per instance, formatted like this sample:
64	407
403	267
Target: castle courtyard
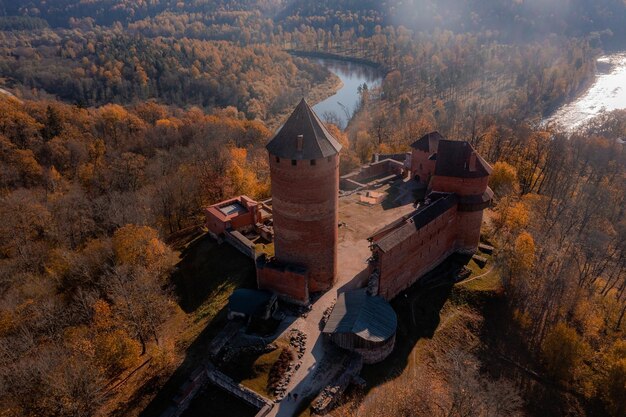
357	221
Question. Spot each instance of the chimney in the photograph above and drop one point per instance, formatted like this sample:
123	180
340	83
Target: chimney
300	143
472	162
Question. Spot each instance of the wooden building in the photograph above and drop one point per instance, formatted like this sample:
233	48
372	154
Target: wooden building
364	324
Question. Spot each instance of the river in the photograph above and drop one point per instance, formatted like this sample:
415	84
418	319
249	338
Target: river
340	106
607	93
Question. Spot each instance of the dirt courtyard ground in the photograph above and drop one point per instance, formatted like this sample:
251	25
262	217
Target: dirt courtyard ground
359	221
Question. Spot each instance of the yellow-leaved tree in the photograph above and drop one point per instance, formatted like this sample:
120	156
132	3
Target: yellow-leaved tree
511	215
523	254
135	245
563	352
503	180
138	285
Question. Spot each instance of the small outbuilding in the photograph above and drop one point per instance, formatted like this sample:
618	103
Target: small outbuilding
364	324
239	213
251	304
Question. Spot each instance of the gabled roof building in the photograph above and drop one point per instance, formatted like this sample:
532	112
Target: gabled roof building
448	221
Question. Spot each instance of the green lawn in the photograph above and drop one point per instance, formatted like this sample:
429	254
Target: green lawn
260	368
489	282
489	276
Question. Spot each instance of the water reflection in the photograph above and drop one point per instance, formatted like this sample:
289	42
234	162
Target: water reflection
340	107
606	94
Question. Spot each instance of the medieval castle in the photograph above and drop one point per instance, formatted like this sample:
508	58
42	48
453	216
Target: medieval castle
302	219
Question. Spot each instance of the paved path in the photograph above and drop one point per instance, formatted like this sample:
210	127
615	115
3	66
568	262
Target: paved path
352	252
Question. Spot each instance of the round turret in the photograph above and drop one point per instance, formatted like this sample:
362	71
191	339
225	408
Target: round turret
462	171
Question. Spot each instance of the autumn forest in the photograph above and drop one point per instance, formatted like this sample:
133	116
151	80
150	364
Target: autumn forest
121	120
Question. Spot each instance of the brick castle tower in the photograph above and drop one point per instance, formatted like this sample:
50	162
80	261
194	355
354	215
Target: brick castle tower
462	171
304	170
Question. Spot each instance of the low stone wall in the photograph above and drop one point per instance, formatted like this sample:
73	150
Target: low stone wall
226	383
349	184
221	340
371	175
186	393
241	243
208	373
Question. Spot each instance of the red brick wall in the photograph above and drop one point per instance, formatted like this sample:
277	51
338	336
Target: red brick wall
243	220
286	283
218	223
469	224
305	211
420	158
461	186
426	248
214	224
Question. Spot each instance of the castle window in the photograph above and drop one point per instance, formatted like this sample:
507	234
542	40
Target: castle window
312	161
277	159
294	162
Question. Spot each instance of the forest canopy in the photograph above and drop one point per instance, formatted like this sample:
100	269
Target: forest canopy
121	120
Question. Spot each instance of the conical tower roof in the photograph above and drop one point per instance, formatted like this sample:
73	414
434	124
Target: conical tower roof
316	143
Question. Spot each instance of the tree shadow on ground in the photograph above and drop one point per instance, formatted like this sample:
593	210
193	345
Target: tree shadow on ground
504	353
206	267
195	355
205	276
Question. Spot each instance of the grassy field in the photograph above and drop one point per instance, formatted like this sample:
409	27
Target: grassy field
483	279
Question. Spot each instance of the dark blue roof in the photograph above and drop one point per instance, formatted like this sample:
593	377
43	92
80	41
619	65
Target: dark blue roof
428	142
369	317
453	158
249	302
